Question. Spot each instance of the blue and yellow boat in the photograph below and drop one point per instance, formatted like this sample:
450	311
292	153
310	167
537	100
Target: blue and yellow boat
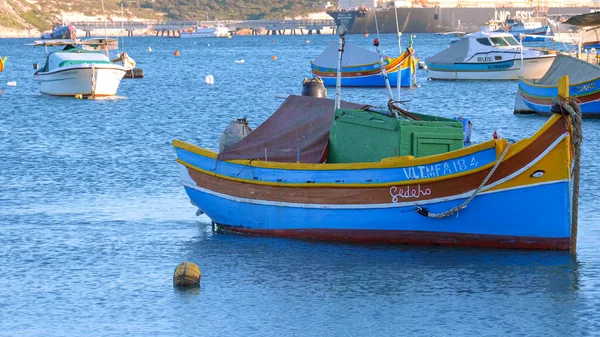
362	67
365	175
536	97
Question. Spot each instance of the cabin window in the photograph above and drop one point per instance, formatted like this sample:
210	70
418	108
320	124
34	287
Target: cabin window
512	41
484	41
498	41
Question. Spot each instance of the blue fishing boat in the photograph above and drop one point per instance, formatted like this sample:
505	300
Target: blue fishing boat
526	30
536	97
362	67
61	32
334	170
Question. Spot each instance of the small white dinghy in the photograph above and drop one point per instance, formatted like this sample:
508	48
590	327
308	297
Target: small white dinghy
75	71
488	56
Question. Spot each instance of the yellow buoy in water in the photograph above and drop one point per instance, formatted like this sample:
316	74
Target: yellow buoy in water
273	57
176	53
79	96
186	274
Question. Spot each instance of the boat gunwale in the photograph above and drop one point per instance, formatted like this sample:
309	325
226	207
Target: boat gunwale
393	162
392	64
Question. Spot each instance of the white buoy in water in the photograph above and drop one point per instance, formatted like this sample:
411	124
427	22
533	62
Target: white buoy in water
210	79
422	65
239	61
149	49
11	84
208	44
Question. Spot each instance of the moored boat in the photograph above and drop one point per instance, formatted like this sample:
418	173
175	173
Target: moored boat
362	67
2	62
217	31
537	97
532	29
74	71
583	30
488	56
289	189
60	31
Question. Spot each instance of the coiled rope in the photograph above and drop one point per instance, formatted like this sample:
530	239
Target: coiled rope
455	209
570	106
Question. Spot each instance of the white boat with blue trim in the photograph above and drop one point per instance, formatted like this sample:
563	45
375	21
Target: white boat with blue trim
488	56
74	71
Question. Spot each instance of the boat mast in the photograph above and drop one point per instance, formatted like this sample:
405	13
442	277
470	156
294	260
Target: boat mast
398	82
381	63
105	33
342	30
122	30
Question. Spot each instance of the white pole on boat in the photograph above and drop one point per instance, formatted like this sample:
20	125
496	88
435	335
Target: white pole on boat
122	30
105	32
398	82
579	45
522	62
381	63
342	30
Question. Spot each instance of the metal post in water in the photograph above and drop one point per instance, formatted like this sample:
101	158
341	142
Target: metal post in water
342	30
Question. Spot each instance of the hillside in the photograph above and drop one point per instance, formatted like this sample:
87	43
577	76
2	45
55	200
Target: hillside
232	9
29	17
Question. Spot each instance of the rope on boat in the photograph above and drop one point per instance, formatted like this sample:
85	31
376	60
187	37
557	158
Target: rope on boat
570	106
455	209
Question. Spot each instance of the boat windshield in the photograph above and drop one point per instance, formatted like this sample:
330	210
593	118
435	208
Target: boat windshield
499	42
512	41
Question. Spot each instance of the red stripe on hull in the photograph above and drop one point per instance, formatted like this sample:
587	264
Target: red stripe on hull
411	238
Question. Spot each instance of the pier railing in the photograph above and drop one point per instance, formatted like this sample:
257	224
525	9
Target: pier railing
232	25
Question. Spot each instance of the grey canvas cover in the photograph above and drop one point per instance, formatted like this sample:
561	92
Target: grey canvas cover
578	70
353	56
456	53
299	128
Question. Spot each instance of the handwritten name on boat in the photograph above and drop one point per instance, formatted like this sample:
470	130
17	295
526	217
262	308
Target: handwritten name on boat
440	169
408	192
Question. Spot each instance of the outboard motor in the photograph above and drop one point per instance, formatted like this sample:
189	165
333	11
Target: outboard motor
314	87
233	133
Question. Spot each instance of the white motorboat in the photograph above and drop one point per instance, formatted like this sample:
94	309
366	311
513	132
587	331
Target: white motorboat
75	71
218	31
488	56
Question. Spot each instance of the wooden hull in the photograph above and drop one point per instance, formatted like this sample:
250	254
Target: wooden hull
537	99
370	75
525	204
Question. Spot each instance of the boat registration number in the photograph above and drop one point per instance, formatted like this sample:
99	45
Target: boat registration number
586	87
485	59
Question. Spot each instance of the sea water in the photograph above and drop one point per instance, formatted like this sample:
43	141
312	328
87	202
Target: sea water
93	219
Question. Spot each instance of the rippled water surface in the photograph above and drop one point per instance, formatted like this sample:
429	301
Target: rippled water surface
93	219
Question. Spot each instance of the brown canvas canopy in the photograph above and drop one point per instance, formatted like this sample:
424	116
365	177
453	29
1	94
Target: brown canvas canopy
300	125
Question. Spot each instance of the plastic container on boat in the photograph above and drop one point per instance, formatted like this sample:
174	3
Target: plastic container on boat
383	137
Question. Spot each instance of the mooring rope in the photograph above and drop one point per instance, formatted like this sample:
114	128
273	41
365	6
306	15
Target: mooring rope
455	209
570	106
